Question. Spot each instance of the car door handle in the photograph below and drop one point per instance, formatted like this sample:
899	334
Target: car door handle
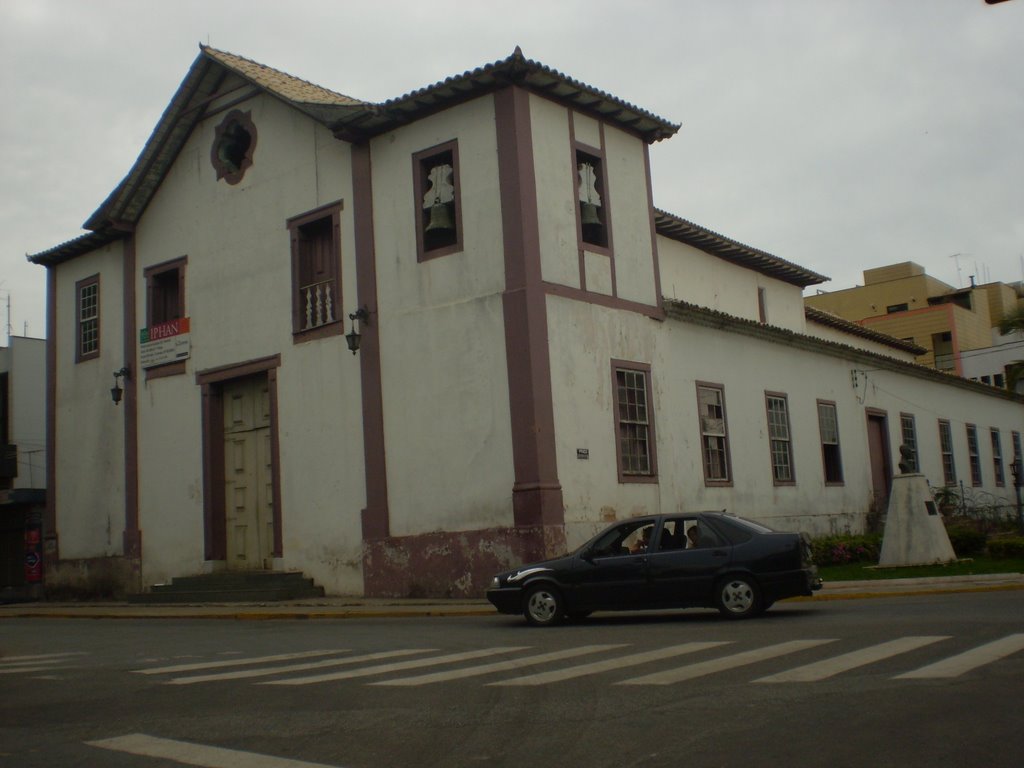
719	553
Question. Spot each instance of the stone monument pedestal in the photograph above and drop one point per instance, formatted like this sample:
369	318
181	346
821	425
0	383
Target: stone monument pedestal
914	533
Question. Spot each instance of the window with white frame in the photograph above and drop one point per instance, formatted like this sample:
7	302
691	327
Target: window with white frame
908	435
87	318
997	457
946	448
973	454
780	443
634	422
714	439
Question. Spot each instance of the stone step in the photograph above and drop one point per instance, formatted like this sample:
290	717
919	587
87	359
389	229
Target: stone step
232	586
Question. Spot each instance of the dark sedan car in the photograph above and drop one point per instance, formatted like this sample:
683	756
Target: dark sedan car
707	559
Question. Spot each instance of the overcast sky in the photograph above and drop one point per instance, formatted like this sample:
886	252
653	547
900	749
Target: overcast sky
838	134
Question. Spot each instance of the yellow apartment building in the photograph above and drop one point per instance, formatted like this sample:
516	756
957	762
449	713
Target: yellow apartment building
958	327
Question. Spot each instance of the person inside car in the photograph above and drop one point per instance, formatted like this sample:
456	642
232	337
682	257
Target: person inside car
640	545
692	538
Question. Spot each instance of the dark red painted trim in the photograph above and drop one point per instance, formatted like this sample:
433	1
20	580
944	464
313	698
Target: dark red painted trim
214	524
51	550
604	300
655	262
789	428
83	283
417	174
210	381
294	224
708	481
130	403
537	493
275	463
375	517
652	434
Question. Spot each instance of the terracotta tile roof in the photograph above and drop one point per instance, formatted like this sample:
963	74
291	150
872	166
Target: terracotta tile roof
286	86
349	118
834	321
533	75
684	231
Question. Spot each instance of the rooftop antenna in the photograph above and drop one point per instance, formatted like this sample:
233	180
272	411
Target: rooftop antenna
959	278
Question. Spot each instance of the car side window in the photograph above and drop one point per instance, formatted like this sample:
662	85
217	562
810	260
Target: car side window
708	536
671	536
625	539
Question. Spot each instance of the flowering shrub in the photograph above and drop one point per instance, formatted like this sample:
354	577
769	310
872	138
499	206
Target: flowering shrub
1007	547
843	549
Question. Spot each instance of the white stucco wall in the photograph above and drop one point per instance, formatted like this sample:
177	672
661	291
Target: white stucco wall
829	333
688	274
443	364
89	451
24	360
238	296
586	338
628	273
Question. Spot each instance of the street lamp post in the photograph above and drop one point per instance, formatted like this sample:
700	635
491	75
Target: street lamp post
1017	469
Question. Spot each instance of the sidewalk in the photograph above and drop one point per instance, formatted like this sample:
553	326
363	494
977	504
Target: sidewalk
355	607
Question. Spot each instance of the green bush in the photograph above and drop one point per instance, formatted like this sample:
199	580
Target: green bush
843	549
966	541
1006	547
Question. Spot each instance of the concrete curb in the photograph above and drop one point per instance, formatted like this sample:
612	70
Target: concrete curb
351	608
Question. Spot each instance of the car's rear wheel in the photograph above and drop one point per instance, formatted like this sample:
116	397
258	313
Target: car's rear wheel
543	606
738	597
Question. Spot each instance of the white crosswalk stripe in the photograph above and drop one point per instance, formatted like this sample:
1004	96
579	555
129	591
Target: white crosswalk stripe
608	665
826	668
304	667
499	666
194	666
392	670
957	665
39	662
190	753
680	674
381	669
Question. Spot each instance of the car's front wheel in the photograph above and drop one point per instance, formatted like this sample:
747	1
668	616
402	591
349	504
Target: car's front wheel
738	597
543	606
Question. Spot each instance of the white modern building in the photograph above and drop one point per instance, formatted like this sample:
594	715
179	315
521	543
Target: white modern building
536	349
22	466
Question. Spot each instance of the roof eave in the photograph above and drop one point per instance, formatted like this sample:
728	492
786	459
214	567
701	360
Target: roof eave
684	231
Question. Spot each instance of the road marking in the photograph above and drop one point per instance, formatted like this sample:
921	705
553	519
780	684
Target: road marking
820	670
267	671
41	662
955	666
608	665
41	656
236	662
202	755
498	666
380	669
728	662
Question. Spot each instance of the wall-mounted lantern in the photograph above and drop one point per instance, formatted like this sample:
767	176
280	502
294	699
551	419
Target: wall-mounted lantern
116	391
353	337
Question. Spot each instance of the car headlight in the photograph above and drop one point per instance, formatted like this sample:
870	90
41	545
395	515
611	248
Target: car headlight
495	583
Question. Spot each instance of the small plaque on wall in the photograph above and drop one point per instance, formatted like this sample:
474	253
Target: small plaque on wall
583	453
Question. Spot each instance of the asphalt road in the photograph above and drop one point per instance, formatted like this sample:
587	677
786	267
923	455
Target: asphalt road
909	681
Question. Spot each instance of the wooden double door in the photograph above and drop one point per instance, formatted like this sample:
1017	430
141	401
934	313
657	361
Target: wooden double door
248	474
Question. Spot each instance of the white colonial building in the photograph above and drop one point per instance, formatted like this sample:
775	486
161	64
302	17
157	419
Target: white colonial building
538	349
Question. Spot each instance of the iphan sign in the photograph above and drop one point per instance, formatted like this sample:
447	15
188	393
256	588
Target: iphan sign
165	343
